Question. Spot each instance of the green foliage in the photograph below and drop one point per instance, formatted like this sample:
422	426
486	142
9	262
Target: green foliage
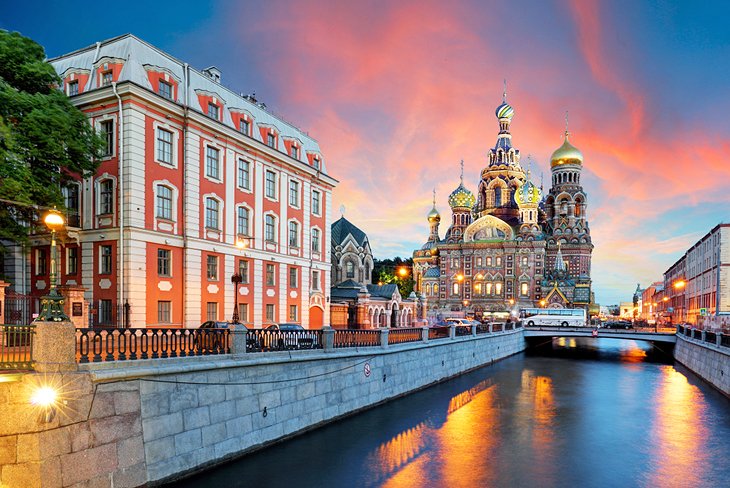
44	140
386	271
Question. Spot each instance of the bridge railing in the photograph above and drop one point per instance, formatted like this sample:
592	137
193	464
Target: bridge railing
356	338
401	336
16	347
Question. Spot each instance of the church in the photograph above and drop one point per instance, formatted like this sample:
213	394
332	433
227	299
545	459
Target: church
509	244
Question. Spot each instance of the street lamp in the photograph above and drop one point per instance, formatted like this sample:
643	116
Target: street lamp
52	304
542	303
236	279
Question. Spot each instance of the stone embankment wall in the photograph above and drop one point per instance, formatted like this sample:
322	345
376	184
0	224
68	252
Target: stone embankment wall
144	422
708	361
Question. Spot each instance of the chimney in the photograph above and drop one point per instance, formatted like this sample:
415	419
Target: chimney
213	73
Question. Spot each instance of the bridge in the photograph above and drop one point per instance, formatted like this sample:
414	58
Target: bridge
630	334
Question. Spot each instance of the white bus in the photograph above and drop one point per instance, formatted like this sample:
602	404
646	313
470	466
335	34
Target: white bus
563	317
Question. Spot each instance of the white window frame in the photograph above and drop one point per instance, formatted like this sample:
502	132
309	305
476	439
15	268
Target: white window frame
251	168
157	258
316	285
250	220
68	260
97	193
115	126
101	260
172	89
266	274
217	267
217	110
157	125
175	198
298	225
318	212
311	239
221	168
297	187
277	175
220	212
275	227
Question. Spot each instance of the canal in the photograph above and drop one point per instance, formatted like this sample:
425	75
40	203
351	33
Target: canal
580	412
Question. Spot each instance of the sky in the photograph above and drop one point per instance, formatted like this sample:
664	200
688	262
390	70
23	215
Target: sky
397	93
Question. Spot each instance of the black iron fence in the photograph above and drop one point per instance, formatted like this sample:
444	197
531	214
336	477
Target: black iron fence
356	338
16	347
264	340
20	309
401	336
463	330
113	344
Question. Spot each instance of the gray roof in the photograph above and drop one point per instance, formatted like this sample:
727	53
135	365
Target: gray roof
342	228
383	291
138	56
432	272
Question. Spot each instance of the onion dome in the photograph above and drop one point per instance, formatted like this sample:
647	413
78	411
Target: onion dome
462	198
505	111
566	154
433	215
528	195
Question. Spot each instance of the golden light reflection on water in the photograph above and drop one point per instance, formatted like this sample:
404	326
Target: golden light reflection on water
536	414
400	451
678	432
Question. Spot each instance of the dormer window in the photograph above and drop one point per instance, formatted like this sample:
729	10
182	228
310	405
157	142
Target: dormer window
106	78
244	126
165	90
271	140
295	152
315	163
73	88
213	111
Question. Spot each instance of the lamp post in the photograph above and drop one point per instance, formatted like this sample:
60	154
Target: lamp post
237	279
460	279
680	285
52	304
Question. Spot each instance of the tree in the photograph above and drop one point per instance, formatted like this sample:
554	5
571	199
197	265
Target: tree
44	140
388	271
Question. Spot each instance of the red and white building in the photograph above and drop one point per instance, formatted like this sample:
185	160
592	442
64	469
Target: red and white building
198	183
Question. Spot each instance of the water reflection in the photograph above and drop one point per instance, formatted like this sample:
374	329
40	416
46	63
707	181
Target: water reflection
536	416
679	432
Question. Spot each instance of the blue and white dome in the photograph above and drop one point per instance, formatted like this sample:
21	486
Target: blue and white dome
505	111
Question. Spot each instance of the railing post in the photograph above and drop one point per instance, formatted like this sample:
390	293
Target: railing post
328	338
54	347
384	337
718	339
424	334
238	344
473	329
452	331
490	327
702	335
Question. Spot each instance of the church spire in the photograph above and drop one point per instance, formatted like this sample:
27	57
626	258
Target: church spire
559	263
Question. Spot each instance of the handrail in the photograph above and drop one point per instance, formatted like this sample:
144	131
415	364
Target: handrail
16	347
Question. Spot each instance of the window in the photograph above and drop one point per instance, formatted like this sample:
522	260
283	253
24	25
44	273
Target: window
212	268
73	88
212	163
489	288
270	184
455	288
244	174
106	197
211	213
165	90
295	151
315	240
315	280
479	261
163	312
524	289
478	288
349	269
270	275
213	111
41	262
315	163
293	315
499	261
243	312
106	78
524	260
243	271
293	234
498	288
105	259
270	228
164	202
244	126
270	312
242	221
294	193
271	139
436	289
71	199
489	260
72	260
106	128
316	196
163	262
211	311
164	146
105	312
293	278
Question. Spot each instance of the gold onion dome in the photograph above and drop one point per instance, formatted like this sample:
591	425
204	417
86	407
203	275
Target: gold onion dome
433	215
566	154
462	198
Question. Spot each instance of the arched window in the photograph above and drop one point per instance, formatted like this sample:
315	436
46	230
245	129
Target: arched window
270	228
435	289
524	289
212	213
243	221
164	202
497	197
349	269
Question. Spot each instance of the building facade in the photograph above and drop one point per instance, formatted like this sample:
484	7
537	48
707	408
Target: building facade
198	183
508	244
357	303
698	284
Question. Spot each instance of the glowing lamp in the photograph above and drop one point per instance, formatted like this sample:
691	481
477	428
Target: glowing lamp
402	271
460	277
53	220
679	284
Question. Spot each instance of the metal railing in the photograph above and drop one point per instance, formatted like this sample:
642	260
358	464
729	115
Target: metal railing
112	344
462	330
356	338
16	347
483	329
438	332
401	336
497	327
264	340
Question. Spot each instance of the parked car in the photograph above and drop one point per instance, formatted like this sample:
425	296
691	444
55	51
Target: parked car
284	327
289	341
458	321
619	324
213	337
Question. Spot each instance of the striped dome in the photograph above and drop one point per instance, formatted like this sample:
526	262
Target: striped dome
462	198
505	111
528	194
